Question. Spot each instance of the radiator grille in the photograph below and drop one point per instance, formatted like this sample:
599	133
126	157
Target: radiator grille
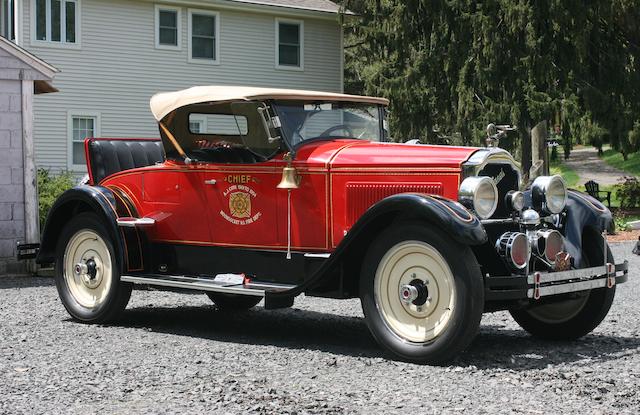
506	177
361	196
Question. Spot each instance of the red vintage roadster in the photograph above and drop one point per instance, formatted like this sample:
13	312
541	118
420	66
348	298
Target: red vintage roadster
255	194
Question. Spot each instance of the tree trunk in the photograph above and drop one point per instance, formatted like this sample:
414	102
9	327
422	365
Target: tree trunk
539	146
525	142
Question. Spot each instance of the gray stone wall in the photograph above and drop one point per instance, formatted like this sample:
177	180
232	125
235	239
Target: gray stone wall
12	227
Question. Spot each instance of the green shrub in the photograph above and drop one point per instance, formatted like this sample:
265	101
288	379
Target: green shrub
620	221
49	188
628	192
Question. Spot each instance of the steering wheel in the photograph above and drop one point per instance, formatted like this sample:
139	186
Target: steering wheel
343	127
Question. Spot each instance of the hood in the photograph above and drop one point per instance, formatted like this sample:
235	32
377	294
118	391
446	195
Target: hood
345	154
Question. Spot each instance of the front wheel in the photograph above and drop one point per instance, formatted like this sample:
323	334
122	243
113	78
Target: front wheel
577	315
87	272
421	293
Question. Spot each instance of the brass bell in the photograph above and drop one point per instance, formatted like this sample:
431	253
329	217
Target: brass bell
290	178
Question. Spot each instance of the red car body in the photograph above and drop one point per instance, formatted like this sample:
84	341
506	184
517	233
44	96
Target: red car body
340	180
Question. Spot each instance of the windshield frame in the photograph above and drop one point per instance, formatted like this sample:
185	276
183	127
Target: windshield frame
276	106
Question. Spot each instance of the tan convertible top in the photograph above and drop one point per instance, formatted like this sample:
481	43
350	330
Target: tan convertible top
163	103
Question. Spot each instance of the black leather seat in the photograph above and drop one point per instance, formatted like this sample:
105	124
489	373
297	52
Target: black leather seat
111	156
229	155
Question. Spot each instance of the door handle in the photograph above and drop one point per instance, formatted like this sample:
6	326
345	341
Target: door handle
211	181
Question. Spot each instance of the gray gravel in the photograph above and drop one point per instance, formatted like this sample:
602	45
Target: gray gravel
175	353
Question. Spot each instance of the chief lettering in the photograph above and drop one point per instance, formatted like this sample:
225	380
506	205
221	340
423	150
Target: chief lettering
238	178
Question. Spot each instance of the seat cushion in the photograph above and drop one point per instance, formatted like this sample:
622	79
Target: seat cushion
112	156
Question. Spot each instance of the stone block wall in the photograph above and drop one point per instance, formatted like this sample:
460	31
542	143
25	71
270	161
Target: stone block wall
12	227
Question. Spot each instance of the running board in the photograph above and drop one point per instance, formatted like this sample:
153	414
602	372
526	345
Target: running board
252	288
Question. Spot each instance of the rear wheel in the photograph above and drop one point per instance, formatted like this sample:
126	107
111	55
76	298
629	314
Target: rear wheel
233	301
421	293
88	272
576	316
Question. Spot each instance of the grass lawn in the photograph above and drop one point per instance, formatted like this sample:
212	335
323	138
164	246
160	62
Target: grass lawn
631	165
569	175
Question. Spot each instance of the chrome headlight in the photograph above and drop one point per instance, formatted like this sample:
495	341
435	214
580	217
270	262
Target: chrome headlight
515	200
549	193
480	194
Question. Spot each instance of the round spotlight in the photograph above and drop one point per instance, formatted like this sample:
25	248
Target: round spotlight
515	200
480	194
514	248
549	193
549	243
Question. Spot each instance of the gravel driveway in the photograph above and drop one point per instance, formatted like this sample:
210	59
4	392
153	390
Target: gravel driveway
176	354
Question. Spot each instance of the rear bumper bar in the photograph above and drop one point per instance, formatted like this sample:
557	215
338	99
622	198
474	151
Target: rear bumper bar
543	284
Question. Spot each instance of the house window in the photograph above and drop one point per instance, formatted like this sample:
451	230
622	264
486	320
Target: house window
289	44
168	27
56	21
196	126
81	126
204	36
7	19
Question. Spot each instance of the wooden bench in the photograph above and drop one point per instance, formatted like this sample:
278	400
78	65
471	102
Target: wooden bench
593	189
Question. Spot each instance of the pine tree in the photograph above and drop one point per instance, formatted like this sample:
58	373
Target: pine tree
454	66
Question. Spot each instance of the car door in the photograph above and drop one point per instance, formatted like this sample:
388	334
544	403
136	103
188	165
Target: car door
241	204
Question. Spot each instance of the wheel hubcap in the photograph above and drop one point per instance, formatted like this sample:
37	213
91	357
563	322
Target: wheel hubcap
415	291
87	268
88	273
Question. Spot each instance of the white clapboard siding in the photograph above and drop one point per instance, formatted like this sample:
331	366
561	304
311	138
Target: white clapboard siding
117	68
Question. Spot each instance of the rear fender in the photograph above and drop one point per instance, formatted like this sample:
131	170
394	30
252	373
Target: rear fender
108	205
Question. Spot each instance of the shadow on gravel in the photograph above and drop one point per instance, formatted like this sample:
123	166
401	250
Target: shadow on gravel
495	346
25	282
289	328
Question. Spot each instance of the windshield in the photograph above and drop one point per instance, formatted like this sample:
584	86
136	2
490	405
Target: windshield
304	121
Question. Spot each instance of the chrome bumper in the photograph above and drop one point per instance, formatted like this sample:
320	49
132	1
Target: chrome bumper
543	284
552	283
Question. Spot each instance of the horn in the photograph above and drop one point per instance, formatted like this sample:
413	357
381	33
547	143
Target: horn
290	178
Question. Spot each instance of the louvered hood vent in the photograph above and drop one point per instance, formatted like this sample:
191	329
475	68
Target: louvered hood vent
361	196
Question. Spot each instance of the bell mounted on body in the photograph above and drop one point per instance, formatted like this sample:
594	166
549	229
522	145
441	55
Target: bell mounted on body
290	179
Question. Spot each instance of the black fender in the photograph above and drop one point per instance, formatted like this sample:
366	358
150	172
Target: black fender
97	199
446	214
583	211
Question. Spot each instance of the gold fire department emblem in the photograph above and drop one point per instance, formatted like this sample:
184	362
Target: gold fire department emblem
240	210
240	205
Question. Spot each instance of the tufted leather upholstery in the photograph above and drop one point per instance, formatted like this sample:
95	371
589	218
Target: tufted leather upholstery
112	156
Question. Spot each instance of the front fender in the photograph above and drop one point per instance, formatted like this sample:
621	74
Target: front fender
583	211
97	199
445	214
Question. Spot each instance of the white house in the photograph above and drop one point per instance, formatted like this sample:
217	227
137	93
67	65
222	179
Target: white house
115	54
